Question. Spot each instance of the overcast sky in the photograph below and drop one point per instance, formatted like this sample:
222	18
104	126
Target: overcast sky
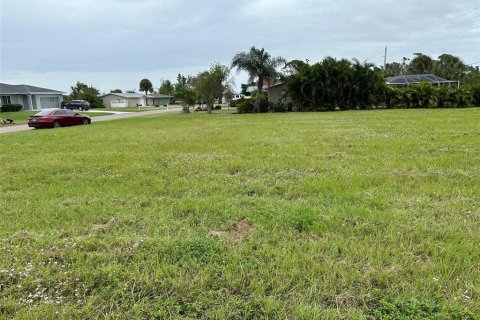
115	43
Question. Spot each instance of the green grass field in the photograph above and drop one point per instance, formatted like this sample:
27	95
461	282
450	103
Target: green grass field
342	215
21	117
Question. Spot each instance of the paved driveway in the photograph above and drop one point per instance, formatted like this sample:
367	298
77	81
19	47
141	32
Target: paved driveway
123	115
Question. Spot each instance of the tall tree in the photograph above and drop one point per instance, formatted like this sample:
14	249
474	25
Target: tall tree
166	87
335	84
393	69
116	91
212	84
471	77
260	65
185	92
146	86
450	67
421	64
82	91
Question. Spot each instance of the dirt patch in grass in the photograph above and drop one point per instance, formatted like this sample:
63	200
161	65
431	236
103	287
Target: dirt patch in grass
119	202
104	227
237	233
345	300
23	234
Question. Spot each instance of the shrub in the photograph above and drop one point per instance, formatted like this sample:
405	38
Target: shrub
424	95
11	107
281	106
95	102
217	107
244	105
444	97
290	106
475	91
462	98
393	98
265	105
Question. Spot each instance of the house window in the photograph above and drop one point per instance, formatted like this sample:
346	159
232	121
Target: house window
5	100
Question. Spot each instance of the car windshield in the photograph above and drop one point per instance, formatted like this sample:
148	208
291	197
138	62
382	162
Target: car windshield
44	112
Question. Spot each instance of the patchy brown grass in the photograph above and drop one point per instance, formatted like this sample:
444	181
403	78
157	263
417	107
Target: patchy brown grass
104	227
236	233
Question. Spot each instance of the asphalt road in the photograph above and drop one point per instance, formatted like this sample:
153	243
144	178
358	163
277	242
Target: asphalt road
24	127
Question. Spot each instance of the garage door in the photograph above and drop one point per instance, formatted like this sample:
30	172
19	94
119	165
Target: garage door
119	103
49	102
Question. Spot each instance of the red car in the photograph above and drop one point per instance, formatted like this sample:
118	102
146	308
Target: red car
56	118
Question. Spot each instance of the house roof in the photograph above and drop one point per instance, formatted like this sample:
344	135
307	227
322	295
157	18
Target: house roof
158	95
25	89
124	95
417	78
276	84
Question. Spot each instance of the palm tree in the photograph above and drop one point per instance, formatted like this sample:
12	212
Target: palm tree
146	86
259	65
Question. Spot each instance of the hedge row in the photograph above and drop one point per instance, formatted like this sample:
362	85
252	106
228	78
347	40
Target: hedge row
11	107
424	95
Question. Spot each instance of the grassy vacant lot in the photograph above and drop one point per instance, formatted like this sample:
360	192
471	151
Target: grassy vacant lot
352	215
22	116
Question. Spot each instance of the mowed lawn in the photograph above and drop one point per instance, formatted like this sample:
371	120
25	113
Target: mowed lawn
351	215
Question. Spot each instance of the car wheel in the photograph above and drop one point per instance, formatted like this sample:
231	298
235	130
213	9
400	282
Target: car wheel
56	124
85	121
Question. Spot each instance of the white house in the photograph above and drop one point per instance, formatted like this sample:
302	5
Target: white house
122	100
30	97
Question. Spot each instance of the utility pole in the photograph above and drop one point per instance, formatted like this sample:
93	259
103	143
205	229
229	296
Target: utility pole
385	60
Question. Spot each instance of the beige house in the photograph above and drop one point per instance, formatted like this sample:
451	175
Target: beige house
123	100
275	91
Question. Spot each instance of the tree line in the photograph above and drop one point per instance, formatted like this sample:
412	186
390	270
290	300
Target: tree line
330	84
446	66
343	84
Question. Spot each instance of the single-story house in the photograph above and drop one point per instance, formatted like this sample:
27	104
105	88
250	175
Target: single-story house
158	99
275	91
408	79
122	100
30	97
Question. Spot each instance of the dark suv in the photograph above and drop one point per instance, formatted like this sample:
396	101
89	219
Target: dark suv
77	104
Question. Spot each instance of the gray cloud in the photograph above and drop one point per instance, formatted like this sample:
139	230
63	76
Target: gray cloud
50	41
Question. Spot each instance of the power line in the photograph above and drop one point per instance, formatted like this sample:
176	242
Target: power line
420	41
447	22
434	40
433	34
